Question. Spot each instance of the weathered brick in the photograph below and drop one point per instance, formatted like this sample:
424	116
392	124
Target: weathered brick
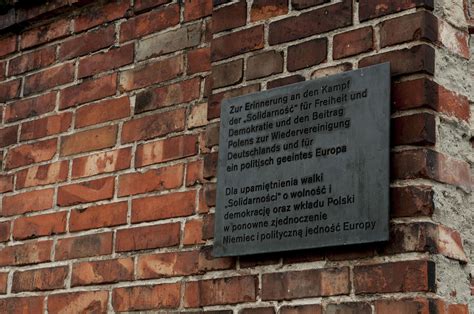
193	232
311	23
9	90
412	201
149	237
37	226
32	61
5	228
103	111
152	73
45	33
369	9
8	136
210	165
169	95
169	149
207	262
199	60
417	305
165	178
309	283
416	129
42	175
100	272
258	310
307	54
353	42
84	246
349	308
150	22
194	173
266	9
97	15
85	192
24	254
3	283
3	69
40	279
228	17
264	64
214	105
104	61
8	45
417	26
407	276
304	4
31	107
236	43
147	4
232	290
27	202
167	264
164	206
152	126
99	216
87	91
6	183
197	116
196	9
31	305
285	81
46	126
49	78
208	227
149	297
86	43
78	302
302	309
405	61
226	74
458	309
109	161
30	153
89	140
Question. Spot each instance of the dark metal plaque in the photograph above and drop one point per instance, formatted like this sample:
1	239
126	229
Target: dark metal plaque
305	165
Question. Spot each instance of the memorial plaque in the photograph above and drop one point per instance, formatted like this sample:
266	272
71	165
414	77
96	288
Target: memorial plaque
305	165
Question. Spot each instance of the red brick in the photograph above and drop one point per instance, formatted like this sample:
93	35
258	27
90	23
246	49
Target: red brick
104	61
87	91
208	227
8	45
89	140
214	105
418	26
265	9
78	302
236	43
3	69
301	284
101	14
285	81
42	175
210	165
369	9
106	110
166	150
194	173
199	60
30	153
46	126
196	9
137	298
304	4
307	54
99	216
165	178
193	232
167	265
45	33
150	22
24	254
3	283
264	64
4	231
8	136
207	262
27	202
353	42
49	78
100	272
152	73
258	310
164	206
6	183
406	61
37	226
429	164
149	237
229	73
458	309
30	305
412	201
40	279
27	108
311	23
32	61
228	17
302	309
407	276
109	161
88	42
417	305
169	95
84	246
85	192
152	126
231	290
147	4
416	129
9	90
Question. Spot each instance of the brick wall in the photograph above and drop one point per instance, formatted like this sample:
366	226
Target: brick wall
109	140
